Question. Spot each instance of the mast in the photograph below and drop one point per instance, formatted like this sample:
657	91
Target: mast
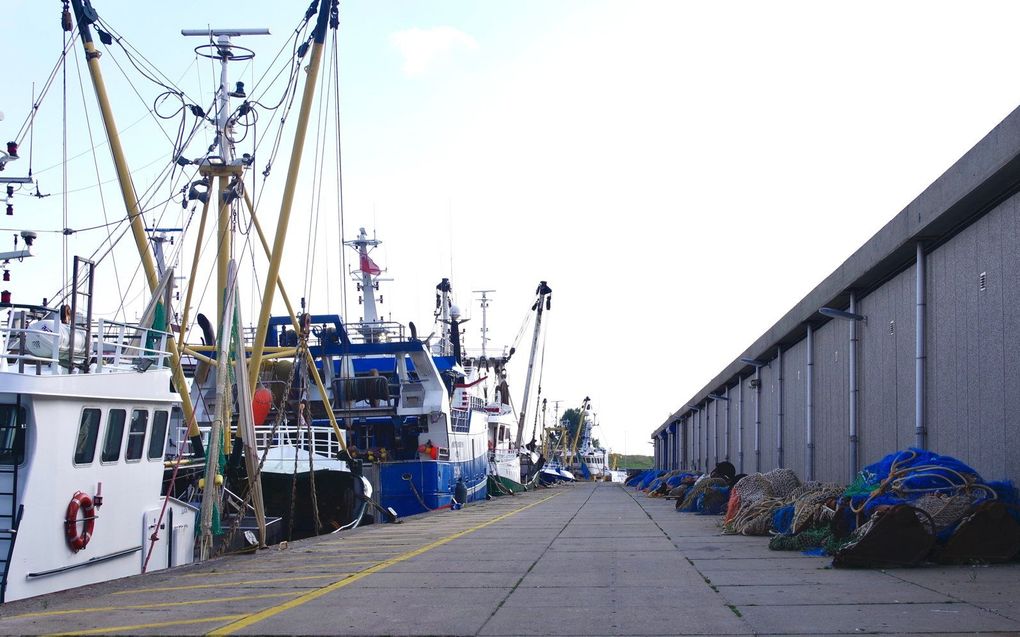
484	302
544	302
85	15
366	277
318	39
443	290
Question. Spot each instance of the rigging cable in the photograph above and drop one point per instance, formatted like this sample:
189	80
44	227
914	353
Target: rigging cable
339	165
541	371
102	199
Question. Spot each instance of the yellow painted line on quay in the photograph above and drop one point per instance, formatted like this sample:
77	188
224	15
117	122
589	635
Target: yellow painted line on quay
272	611
154	605
282	569
273	580
137	627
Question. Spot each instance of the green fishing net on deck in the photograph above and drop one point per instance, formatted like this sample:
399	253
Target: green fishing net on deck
814	537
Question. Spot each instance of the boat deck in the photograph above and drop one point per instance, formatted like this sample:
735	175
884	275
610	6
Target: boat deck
581	559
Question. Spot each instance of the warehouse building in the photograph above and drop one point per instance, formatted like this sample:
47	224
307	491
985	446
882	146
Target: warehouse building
913	341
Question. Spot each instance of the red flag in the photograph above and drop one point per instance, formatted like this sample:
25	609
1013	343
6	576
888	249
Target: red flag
368	266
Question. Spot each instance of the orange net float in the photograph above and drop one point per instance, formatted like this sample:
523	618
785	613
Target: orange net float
261	404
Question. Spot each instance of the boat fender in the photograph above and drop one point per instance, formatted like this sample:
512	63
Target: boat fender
82	502
460	491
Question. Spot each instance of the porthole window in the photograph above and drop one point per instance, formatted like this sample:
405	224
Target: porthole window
157	441
136	434
88	435
114	435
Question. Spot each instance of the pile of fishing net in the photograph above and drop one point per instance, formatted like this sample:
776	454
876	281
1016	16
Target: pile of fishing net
754	500
643	480
911	506
707	495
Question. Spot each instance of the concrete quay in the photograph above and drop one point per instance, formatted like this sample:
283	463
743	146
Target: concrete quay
582	559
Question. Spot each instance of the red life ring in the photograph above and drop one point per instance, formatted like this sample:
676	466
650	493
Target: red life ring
80	501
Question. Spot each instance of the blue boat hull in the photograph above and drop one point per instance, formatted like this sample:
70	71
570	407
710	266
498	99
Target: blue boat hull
433	480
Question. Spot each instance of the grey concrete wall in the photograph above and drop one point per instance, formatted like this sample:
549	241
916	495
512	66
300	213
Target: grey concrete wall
973	344
747	423
970	218
886	364
794	385
831	406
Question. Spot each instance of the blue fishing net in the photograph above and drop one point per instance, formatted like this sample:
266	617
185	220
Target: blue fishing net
905	476
713	501
782	520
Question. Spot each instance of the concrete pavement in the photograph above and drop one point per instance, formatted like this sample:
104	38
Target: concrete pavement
583	559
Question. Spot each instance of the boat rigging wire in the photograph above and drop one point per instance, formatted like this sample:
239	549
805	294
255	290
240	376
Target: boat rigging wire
26	126
102	199
339	168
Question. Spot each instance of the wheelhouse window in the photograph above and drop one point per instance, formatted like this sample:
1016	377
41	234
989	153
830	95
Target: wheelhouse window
157	440
12	434
136	434
114	435
88	435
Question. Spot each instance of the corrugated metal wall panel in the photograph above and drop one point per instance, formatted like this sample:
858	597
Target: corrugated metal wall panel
1011	337
830	401
906	331
729	444
794	384
768	418
747	422
879	362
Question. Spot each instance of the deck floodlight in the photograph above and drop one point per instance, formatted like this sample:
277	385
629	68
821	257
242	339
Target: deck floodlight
832	312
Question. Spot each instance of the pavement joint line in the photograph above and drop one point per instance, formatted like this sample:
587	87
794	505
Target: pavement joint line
163	589
137	627
532	566
708	582
107	609
260	616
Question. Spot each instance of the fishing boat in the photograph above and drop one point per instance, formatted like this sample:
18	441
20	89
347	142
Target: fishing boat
415	425
86	405
285	456
587	460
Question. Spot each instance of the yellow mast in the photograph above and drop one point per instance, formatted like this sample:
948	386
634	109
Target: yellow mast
130	197
262	327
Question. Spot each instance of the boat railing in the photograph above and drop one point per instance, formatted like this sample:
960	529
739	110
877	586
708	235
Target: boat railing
41	345
321	440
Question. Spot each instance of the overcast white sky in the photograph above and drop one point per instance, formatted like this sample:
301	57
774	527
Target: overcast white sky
681	173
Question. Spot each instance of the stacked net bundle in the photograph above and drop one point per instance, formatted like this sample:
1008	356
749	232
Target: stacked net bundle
699	489
758	496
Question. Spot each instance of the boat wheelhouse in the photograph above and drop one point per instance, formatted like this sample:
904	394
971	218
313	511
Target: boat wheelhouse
84	415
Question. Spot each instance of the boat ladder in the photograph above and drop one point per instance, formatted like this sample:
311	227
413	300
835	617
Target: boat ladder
10	520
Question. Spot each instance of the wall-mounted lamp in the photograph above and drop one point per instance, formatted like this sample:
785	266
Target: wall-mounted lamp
754	362
715	396
832	312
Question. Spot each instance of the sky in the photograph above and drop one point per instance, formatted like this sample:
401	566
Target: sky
681	173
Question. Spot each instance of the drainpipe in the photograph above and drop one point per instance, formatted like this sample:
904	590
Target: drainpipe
920	430
726	446
779	401
757	419
809	420
715	437
740	425
853	389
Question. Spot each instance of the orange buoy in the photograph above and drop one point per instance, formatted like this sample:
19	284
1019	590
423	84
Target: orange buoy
261	403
